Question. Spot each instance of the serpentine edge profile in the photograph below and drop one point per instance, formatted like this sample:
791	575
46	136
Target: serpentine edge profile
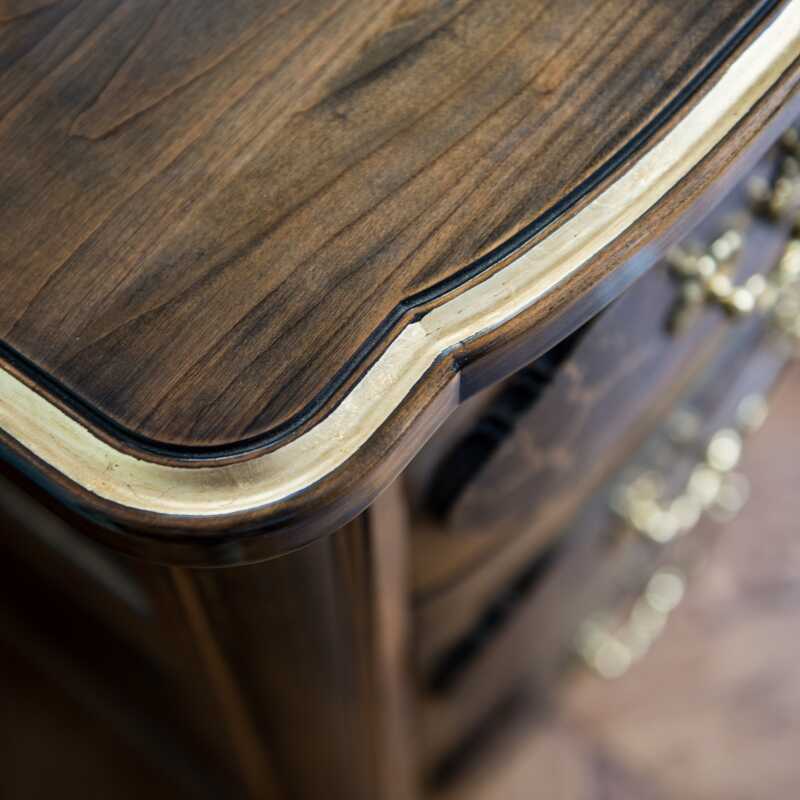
68	447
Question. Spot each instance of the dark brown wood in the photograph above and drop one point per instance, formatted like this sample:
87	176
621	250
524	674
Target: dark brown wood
52	746
253	255
157	704
552	455
210	212
317	509
308	653
709	712
283	679
601	565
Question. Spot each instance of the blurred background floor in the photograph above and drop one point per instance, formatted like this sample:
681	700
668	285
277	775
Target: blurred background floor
713	711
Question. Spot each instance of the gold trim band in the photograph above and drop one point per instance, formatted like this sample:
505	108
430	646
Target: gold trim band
77	453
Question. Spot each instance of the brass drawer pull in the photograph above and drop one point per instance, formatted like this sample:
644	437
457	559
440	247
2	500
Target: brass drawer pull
610	648
707	278
783	293
773	200
611	651
712	486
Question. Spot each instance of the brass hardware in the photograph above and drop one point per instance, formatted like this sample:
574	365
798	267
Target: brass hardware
775	199
724	450
610	650
707	277
751	413
785	293
712	487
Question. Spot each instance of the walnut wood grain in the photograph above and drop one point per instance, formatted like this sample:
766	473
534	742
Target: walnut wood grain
213	215
160	504
228	674
315	682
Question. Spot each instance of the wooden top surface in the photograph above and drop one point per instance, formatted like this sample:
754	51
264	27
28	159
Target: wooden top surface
252	255
215	216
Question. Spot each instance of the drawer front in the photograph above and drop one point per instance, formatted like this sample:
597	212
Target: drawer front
526	631
623	374
555	550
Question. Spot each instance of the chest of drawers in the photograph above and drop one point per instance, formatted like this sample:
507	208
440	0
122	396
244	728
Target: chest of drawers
360	364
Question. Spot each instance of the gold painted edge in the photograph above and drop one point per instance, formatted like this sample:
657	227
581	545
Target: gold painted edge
73	450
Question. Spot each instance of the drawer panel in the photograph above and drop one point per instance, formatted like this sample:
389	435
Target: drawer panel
526	631
623	373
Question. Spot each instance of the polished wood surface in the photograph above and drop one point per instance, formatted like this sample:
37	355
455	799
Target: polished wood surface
709	715
307	653
693	149
213	216
254	255
285	679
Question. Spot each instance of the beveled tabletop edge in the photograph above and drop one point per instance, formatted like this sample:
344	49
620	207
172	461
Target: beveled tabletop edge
227	491
181	444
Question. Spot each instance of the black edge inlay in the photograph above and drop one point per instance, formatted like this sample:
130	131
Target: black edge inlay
274	436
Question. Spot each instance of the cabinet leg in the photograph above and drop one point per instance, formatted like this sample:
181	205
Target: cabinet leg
306	658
